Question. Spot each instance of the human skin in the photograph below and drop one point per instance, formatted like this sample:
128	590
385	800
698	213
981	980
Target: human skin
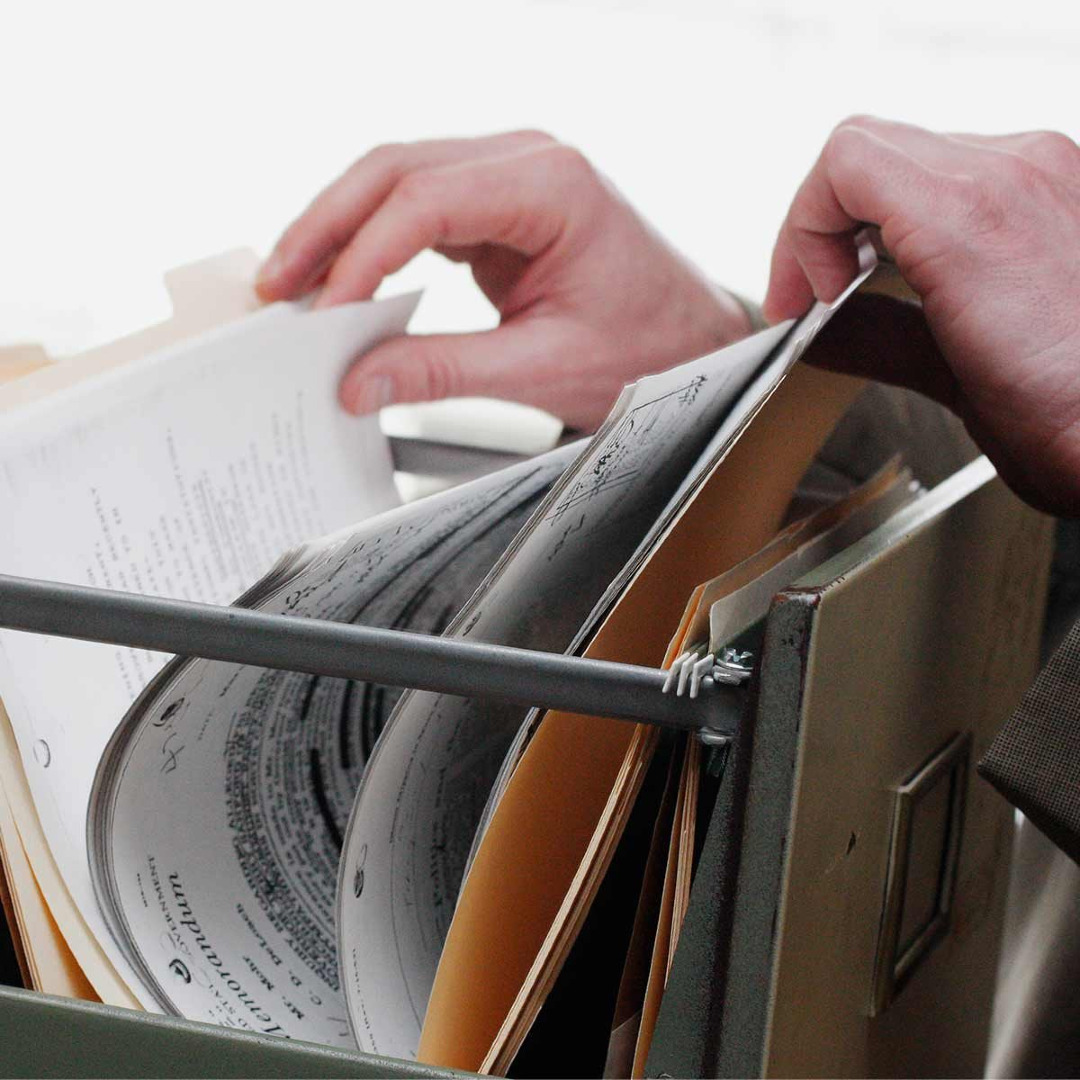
589	296
985	229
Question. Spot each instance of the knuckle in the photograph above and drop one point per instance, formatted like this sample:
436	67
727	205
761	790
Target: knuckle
1058	150
1023	177
441	374
572	162
986	199
862	121
385	155
844	144
422	199
534	136
419	188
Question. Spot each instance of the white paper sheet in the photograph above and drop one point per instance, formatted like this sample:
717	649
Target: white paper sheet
185	474
229	898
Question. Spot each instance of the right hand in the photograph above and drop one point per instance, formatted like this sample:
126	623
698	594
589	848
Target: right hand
589	296
987	231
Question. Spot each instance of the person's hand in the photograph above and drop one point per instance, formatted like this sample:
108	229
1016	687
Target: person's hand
589	296
987	231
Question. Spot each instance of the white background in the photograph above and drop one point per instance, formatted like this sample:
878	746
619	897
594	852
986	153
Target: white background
138	137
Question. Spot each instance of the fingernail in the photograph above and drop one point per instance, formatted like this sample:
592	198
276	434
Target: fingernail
271	269
372	394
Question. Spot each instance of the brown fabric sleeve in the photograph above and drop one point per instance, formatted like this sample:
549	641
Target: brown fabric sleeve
1034	761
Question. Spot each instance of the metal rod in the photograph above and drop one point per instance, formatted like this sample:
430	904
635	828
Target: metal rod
391	657
447	461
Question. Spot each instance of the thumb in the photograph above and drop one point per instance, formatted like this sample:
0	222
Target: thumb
427	367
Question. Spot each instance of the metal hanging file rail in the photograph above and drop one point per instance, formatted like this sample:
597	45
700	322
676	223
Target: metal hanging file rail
391	657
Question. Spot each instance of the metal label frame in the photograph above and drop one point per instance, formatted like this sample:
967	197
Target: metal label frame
893	967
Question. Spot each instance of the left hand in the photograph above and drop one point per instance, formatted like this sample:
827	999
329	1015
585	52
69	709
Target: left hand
589	296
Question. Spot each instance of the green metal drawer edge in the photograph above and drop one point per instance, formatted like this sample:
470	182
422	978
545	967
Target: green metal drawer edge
49	1036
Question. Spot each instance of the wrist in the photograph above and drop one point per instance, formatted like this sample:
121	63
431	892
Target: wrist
739	317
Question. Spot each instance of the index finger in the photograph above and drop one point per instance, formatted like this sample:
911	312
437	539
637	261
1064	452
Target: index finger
860	178
308	247
525	202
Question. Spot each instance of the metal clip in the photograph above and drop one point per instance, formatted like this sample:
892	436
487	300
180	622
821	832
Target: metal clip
733	667
687	671
692	669
712	738
696	668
